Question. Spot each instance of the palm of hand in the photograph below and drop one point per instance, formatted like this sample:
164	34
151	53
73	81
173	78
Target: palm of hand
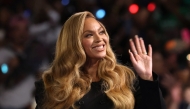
143	66
140	60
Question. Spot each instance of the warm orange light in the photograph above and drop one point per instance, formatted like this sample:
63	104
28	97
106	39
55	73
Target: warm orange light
188	57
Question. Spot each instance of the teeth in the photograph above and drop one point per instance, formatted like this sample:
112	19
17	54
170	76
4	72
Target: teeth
99	47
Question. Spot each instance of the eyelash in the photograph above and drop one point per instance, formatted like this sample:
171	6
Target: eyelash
88	35
101	32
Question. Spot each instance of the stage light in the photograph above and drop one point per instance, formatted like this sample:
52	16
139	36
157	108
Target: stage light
133	8
100	13
151	7
65	2
4	68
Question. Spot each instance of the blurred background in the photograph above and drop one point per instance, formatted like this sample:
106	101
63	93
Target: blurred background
29	30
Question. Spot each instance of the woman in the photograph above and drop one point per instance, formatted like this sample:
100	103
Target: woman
86	75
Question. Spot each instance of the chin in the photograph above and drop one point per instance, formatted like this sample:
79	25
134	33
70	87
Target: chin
98	55
101	56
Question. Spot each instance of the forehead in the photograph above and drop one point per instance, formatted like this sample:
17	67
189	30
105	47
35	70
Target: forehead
91	24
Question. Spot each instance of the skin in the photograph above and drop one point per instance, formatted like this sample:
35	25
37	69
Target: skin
94	41
142	62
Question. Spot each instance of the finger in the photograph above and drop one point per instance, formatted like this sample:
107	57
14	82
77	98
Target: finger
132	45
149	50
133	60
137	43
143	48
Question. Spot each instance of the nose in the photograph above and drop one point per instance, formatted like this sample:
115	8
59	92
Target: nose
97	38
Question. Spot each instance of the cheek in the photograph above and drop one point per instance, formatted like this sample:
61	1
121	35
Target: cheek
106	39
86	44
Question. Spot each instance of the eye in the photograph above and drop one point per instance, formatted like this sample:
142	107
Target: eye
102	32
88	35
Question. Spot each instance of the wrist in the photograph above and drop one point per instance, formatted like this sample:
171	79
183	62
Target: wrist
147	77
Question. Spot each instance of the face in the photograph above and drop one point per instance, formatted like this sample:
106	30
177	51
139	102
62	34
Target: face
94	39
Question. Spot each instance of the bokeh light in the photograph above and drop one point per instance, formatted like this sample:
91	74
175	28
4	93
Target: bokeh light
151	7
100	13
65	2
4	68
27	14
188	57
133	8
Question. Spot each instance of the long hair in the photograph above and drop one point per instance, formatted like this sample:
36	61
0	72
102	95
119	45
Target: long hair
65	81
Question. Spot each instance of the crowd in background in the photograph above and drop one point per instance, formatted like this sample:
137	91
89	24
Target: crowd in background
29	30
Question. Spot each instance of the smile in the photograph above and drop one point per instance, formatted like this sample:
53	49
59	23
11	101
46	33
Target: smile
99	48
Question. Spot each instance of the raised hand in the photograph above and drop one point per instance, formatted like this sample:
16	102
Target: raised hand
142	62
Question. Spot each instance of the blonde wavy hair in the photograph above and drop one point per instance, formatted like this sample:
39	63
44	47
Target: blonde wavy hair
65	81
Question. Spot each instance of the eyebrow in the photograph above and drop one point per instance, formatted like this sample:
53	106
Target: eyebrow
92	31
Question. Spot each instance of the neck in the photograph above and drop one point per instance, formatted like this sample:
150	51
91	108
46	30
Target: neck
91	67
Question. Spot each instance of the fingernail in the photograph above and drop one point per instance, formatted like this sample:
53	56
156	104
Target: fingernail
130	39
136	35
